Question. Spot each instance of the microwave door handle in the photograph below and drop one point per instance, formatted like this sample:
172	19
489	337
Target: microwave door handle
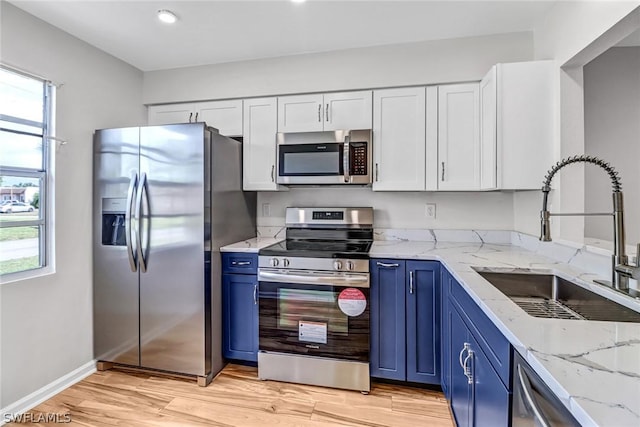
345	158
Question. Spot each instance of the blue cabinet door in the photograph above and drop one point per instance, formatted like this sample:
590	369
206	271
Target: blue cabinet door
388	341
422	293
460	389
445	336
490	397
240	317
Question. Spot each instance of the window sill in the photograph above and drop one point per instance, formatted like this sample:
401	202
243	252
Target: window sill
26	275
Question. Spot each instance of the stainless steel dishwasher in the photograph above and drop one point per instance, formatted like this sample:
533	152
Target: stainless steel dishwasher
534	404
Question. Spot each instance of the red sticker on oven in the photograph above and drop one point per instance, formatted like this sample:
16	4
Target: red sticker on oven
352	302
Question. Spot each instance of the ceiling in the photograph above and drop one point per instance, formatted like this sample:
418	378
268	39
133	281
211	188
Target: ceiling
210	32
632	40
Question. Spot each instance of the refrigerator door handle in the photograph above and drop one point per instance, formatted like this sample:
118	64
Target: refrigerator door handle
133	187
142	261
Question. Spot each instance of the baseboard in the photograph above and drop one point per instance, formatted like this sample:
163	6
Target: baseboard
48	391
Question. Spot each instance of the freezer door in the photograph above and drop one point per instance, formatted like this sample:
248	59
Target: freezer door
174	303
115	273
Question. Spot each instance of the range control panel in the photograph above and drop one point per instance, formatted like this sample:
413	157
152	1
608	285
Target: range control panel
330	215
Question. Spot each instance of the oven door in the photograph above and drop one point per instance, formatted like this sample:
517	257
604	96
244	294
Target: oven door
321	314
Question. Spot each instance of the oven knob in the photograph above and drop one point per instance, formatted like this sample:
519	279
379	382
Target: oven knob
274	262
337	265
285	262
349	265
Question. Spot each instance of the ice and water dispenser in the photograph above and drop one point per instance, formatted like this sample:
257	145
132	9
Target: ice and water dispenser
113	221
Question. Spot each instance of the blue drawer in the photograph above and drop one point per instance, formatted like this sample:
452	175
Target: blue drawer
495	346
239	263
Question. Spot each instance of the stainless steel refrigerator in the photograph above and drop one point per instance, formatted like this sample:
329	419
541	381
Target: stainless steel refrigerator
165	199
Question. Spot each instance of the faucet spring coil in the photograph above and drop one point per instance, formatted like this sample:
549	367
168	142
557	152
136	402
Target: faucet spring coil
613	174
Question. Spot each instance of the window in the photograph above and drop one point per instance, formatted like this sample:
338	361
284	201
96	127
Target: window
25	117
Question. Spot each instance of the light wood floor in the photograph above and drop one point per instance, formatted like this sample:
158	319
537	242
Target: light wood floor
238	398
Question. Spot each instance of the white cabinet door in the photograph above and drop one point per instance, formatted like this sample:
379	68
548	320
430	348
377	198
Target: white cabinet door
459	137
347	110
170	114
399	139
226	116
259	144
525	122
488	124
300	113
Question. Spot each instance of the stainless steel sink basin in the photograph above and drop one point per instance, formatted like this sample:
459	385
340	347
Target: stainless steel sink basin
552	297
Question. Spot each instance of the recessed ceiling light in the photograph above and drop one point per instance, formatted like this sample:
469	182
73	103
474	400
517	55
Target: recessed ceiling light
298	1
167	16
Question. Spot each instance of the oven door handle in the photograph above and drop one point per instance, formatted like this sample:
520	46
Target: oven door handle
355	281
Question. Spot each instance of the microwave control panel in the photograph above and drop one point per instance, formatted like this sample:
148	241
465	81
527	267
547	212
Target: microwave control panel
358	156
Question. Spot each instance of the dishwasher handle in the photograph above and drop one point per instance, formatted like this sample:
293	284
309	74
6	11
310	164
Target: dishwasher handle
527	392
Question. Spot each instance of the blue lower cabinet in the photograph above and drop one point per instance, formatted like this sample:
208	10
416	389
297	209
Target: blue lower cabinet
445	335
405	320
240	317
423	322
388	348
476	391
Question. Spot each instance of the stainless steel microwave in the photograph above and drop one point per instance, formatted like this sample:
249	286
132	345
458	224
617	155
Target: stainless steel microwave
332	158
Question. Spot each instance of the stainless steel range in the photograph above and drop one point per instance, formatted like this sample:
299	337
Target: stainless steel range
314	299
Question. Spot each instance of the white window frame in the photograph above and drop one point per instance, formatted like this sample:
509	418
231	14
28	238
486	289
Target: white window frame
46	191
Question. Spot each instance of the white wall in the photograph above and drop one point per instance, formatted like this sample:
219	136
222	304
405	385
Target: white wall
440	61
572	33
480	211
46	323
612	132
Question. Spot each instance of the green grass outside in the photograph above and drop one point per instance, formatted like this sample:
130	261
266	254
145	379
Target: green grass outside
22	216
20	264
18	233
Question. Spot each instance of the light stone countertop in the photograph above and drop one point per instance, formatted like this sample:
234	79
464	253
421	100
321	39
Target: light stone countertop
592	366
250	245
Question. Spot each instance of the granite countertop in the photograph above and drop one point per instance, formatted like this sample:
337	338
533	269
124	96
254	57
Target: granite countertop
592	366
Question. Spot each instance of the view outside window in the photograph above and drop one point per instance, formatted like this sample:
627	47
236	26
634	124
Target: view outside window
24	118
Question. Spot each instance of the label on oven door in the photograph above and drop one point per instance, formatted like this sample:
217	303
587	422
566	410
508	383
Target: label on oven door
312	331
352	302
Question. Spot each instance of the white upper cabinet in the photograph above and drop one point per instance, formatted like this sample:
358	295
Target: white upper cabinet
226	116
170	114
488	124
399	139
318	112
347	110
458	137
517	124
259	145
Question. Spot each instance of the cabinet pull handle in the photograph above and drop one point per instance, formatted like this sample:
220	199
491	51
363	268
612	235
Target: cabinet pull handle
240	262
377	173
319	113
442	171
255	294
273	171
385	265
467	369
465	348
411	282
326	113
190	116
196	117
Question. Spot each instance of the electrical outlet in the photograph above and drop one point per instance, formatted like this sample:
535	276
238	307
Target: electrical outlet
430	210
266	209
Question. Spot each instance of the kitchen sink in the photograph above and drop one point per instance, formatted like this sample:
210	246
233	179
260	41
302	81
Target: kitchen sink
552	297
